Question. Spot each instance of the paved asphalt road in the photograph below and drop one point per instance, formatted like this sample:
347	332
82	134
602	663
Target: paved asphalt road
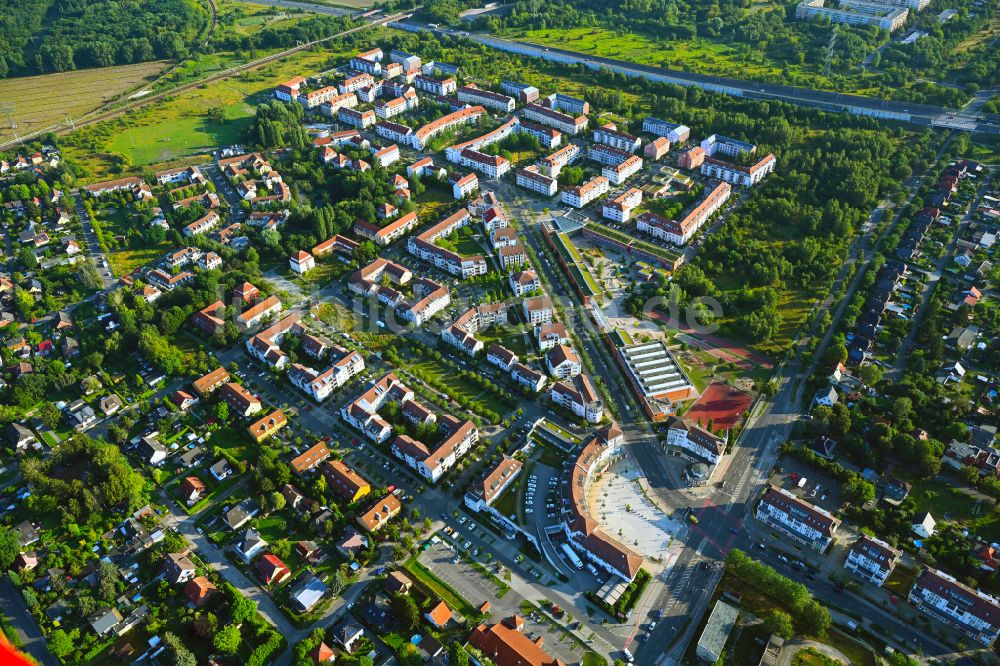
13	607
93	248
923	115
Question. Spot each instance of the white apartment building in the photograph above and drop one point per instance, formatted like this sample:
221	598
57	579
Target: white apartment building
523	282
797	518
548	137
464	186
390	108
554	163
608	155
302	262
203	224
611	136
319	385
581	196
871	559
355	118
972	612
481	496
695	441
579	397
460	438
560	121
532	179
528	377
333	105
736	174
501	357
395	132
434	86
492	166
675	132
356	82
538	310
563	362
620	208
618	174
718	144
471	94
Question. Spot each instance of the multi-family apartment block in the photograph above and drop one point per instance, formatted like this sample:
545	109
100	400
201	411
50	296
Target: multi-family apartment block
604	154
871	559
617	174
563	362
395	132
718	144
564	123
332	106
408	61
463	116
355	118
524	282
383	236
620	208
522	91
548	137
434	86
527	377
611	136
578	396
797	518
501	357
885	17
694	440
482	494
657	148
356	82
532	179
203	224
680	232
492	166
561	102
472	94
289	90
365	65
675	132
581	196
538	310
463	186
319	385
423	246
746	176
972	612
557	160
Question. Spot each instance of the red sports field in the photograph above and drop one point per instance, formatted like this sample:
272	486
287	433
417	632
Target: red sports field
720	403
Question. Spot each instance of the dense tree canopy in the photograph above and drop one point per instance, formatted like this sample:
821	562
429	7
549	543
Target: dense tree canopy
40	36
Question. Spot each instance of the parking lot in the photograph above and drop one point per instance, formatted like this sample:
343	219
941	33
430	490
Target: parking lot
440	558
816	488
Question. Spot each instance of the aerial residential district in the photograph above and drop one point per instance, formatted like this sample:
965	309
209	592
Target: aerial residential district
437	347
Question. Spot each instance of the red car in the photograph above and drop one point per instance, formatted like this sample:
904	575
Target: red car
794	476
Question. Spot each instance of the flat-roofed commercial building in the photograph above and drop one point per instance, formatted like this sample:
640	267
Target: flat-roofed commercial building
854	13
716	633
655	373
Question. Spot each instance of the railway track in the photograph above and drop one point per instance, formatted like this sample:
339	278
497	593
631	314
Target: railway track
99	115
